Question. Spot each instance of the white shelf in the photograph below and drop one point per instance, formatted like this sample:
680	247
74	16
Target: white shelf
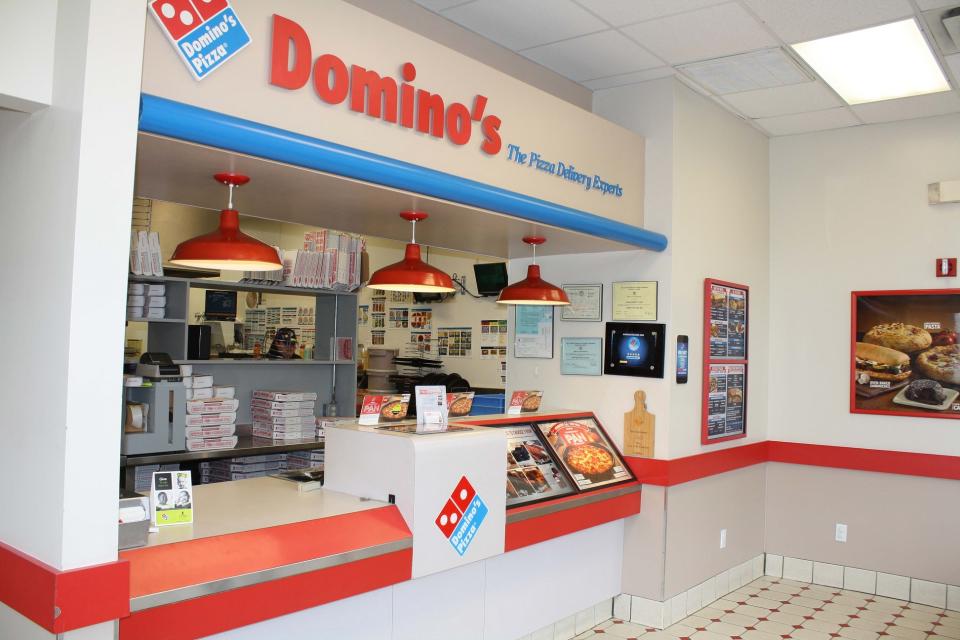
204	283
262	361
170	320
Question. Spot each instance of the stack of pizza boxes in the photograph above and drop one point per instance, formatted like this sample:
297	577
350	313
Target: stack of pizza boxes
284	415
211	421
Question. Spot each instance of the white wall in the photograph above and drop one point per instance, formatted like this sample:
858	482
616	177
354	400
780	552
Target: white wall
66	175
27	41
849	212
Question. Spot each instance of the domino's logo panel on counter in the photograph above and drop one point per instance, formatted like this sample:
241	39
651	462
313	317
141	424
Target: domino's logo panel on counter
461	516
206	33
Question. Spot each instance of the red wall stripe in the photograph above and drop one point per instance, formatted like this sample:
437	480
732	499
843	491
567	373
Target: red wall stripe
900	462
666	473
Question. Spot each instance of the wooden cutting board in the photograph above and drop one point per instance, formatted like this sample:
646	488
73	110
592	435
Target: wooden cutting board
639	427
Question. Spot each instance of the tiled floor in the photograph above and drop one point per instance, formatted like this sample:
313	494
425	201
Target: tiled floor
775	609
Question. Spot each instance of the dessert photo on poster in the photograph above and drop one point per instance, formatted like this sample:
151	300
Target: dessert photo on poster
905	356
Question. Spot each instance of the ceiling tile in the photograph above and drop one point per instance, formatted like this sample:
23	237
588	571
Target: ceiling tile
926	5
598	55
711	32
628	78
801	20
810	121
440	5
621	12
746	71
520	25
953	63
933	104
779	101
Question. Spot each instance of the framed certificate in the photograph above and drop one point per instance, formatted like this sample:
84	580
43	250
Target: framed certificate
533	336
634	301
581	356
586	303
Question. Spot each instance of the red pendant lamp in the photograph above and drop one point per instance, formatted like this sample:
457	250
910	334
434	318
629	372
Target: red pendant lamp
533	289
411	273
227	248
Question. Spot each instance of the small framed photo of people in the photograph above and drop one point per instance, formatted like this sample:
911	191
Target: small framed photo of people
904	356
171	498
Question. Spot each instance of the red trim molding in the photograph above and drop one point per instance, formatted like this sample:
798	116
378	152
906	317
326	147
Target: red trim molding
926	465
666	473
82	597
560	523
215	613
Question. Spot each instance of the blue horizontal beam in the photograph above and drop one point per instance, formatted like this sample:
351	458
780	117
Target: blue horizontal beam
185	122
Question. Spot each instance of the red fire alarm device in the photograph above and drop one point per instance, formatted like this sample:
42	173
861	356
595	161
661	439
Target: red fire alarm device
946	267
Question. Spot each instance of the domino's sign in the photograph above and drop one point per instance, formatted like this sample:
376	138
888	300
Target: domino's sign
206	33
461	516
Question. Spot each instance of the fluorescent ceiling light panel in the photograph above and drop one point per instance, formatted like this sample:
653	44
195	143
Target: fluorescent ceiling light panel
746	72
879	63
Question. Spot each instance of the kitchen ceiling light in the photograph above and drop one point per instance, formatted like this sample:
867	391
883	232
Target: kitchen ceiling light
533	289
879	63
411	274
227	248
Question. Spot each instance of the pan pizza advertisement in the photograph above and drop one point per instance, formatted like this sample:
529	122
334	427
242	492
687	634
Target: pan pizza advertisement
905	359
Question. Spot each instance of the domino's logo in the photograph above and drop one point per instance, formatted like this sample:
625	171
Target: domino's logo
206	33
462	516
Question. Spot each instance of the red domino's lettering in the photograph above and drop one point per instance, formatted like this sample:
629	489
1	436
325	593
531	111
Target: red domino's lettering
374	94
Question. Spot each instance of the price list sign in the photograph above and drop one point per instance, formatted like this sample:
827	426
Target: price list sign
725	364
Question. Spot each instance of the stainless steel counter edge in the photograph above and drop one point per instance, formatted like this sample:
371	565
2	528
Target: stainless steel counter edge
553	507
266	575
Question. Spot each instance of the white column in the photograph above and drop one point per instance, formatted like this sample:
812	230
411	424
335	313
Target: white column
66	182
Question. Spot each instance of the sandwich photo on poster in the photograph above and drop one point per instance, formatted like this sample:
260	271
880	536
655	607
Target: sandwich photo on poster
905	359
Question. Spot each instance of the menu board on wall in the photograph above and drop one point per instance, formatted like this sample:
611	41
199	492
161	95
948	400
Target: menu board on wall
585	452
728	321
532	473
725	364
725	401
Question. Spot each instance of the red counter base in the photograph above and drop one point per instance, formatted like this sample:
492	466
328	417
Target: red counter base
241	607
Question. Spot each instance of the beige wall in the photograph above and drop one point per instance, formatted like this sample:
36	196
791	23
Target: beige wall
903	525
849	212
697	511
643	546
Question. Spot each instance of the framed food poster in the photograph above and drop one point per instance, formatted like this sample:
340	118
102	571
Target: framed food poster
532	472
585	451
904	356
726	330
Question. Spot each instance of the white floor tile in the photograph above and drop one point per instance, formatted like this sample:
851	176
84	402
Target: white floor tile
893	586
859	580
708	592
583	621
621	607
953	598
543	634
564	629
647	612
797	569
830	575
933	594
602	611
774	565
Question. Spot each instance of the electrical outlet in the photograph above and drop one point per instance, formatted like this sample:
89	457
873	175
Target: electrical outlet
841	534
723	538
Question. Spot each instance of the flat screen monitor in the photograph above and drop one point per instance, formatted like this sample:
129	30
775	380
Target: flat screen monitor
491	278
634	349
220	305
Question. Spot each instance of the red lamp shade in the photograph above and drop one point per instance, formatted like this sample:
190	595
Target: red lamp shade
227	248
533	290
411	274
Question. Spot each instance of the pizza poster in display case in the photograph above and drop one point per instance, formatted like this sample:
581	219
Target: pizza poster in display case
726	333
585	451
532	472
904	356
